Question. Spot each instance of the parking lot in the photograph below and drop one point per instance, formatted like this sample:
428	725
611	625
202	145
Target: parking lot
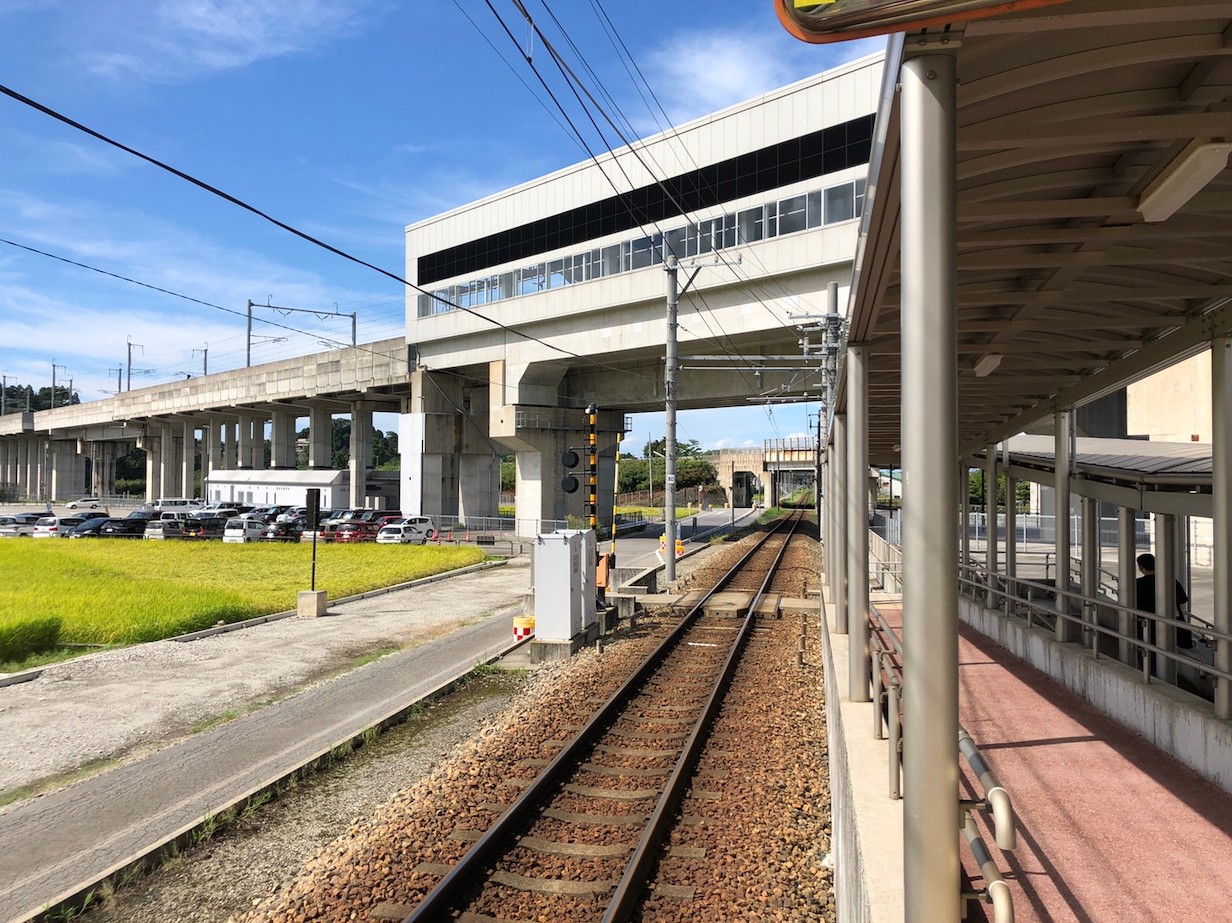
182	520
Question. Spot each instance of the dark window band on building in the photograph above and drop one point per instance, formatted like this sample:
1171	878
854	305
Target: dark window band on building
806	157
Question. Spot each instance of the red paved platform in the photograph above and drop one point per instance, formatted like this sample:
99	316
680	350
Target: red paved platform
1110	828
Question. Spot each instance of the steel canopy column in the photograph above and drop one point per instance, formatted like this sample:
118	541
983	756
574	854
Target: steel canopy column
1062	458
1011	528
841	486
1164	636
1127	574
1091	560
857	523
930	446
1221	514
990	525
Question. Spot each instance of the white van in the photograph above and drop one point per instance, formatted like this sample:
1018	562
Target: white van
239	529
185	504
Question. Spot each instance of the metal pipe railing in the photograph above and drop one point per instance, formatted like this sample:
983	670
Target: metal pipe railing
996	799
886	647
996	891
975	578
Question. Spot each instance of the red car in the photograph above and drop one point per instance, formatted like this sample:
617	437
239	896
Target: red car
355	532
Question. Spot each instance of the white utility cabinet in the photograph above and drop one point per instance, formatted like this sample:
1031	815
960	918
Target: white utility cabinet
564	593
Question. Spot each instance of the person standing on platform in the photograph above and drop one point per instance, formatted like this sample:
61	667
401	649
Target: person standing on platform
1146	603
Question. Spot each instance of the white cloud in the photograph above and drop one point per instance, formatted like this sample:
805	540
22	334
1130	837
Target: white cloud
84	319
166	41
702	72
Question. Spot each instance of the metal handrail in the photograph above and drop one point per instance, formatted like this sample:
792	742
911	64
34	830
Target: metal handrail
997	891
885	644
996	799
981	584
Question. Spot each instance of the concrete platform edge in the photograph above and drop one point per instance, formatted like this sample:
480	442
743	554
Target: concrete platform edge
868	881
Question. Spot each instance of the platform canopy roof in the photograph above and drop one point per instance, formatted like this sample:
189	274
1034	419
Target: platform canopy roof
1079	127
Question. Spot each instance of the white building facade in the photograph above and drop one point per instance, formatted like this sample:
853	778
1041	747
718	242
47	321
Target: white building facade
550	296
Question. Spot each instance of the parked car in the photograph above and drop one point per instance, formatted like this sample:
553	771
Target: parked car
182	504
198	528
355	531
239	529
402	533
219	512
90	528
84	502
22	525
51	526
167	525
323	532
92	514
265	514
128	527
291	531
294	512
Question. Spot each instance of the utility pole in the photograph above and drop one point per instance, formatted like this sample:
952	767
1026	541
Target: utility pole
670	365
671	360
205	359
53	381
248	339
131	344
119	378
4	394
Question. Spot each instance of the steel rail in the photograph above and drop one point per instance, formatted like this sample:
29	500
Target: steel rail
438	902
642	862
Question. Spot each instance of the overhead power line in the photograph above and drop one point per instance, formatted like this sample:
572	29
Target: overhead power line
303	235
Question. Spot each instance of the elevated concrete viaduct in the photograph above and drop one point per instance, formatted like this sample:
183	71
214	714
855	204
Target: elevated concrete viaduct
43	454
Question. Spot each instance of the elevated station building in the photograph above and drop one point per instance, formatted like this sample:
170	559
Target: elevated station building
550	296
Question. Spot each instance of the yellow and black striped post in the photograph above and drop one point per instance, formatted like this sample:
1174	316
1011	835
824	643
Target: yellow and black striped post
592	466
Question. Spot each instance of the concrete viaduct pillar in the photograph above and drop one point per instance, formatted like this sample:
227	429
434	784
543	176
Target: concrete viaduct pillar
230	445
320	437
361	451
149	443
540	436
168	475
450	465
66	476
282	439
188	459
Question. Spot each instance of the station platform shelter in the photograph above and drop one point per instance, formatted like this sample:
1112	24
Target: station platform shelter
1046	224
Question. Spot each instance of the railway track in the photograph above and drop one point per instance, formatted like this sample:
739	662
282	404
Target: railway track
586	836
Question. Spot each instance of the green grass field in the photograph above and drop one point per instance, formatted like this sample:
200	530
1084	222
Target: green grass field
63	592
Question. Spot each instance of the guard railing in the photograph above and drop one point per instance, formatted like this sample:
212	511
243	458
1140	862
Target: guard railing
886	664
1043	604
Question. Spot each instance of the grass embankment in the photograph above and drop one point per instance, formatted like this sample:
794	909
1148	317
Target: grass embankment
60	593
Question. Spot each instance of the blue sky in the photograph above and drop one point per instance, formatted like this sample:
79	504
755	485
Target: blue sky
348	119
